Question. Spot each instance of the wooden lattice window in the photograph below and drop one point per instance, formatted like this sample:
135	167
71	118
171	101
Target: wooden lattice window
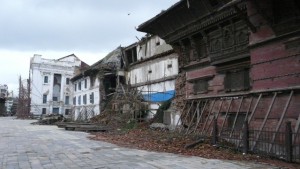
237	80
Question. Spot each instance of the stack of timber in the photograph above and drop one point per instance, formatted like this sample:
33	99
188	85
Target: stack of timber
87	127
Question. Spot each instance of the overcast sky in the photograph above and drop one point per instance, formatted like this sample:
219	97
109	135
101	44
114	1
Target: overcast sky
56	28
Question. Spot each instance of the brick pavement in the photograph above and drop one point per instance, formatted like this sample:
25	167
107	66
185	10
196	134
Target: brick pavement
25	146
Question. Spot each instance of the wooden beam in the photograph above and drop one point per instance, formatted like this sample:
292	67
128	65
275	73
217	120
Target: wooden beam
281	119
264	122
192	118
217	115
212	107
236	116
254	109
226	114
199	119
245	120
187	114
180	118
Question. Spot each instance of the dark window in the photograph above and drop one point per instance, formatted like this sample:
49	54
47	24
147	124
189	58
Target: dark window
55	99
44	98
200	86
92	81
92	98
131	55
75	87
84	99
45	79
67	100
85	83
67	81
74	100
170	65
67	111
79	100
44	111
237	80
79	86
55	110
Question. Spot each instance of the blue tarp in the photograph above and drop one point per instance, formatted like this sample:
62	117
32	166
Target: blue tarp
160	96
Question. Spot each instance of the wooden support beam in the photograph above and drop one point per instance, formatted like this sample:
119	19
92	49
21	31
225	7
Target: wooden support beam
220	107
199	118
225	118
190	124
297	128
264	122
180	118
254	109
281	120
245	122
187	114
236	116
212	107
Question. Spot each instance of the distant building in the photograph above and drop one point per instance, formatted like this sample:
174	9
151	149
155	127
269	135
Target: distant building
9	102
51	89
3	91
3	96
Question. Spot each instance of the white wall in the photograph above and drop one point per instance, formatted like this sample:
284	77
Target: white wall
86	91
155	78
40	68
159	67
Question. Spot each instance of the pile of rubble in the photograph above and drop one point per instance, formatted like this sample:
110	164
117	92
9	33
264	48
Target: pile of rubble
124	109
50	119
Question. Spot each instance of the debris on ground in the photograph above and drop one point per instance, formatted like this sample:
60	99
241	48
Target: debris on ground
159	126
145	138
50	119
123	110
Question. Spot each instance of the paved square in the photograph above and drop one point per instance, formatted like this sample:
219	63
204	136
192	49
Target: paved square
26	146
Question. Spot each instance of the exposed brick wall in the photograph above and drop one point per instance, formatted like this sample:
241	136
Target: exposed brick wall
274	64
180	87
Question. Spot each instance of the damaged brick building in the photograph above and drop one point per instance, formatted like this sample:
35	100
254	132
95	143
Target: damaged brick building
93	86
152	68
238	62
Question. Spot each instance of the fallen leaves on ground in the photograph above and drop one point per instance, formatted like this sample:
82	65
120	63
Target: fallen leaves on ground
173	142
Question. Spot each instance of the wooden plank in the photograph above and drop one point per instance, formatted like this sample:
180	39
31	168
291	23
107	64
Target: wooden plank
199	119
220	107
264	122
212	107
226	114
281	119
192	117
236	116
254	109
180	118
187	114
245	120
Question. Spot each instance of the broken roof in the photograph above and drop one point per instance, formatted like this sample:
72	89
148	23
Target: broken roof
109	63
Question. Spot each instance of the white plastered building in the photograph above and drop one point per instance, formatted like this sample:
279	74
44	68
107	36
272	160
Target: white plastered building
51	88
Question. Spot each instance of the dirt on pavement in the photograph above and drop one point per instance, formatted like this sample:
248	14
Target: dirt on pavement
173	142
